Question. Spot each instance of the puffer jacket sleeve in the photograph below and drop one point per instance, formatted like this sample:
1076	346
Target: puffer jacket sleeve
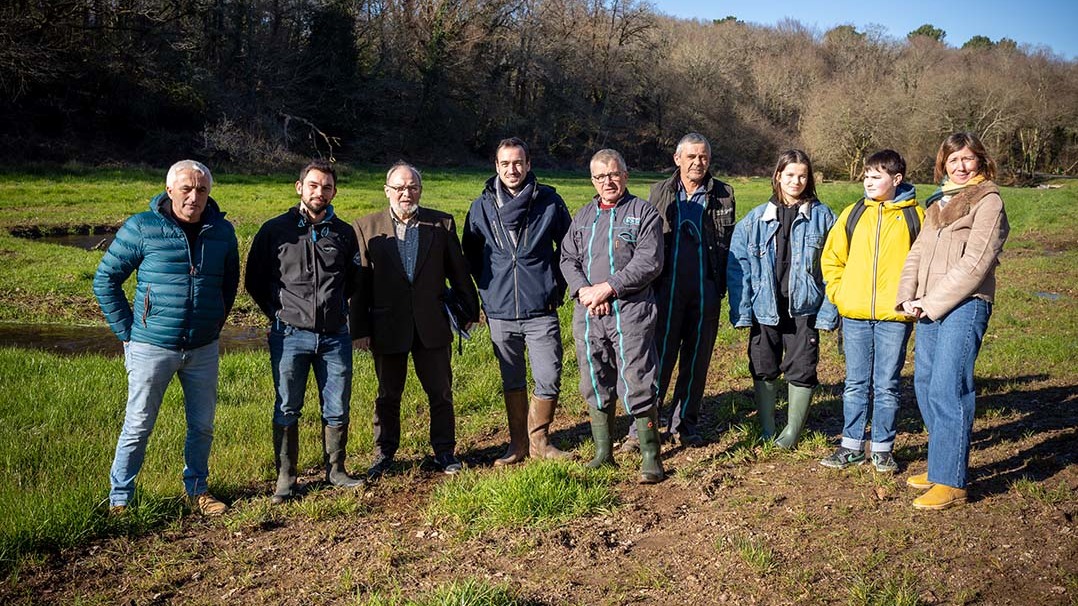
738	276
123	256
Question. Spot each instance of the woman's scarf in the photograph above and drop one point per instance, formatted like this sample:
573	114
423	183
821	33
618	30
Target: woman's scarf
949	188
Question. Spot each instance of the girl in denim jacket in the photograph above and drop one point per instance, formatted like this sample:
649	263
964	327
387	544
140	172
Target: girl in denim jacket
777	291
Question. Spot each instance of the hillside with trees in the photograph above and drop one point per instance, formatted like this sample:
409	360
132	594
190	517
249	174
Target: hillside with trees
254	84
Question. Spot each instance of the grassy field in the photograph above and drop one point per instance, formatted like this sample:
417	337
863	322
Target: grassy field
60	415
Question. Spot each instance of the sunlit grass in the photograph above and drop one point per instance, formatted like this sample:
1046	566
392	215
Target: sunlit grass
540	493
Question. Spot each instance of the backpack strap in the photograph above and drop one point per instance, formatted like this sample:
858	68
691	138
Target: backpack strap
851	221
913	222
909	213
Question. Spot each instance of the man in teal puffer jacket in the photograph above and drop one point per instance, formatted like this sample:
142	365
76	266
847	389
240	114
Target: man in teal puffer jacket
187	261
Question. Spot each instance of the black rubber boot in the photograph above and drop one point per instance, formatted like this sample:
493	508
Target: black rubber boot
334	440
651	466
285	455
602	421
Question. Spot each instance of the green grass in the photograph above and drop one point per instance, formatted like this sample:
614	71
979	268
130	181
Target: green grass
538	494
867	590
61	415
468	592
756	554
1042	493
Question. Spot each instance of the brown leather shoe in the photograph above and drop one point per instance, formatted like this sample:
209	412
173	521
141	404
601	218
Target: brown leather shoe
940	496
208	505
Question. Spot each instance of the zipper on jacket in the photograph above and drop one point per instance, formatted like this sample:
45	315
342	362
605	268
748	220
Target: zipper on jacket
876	260
146	305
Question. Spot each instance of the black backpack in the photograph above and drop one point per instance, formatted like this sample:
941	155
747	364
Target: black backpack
913	221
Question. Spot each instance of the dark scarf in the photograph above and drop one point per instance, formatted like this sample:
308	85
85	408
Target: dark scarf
513	212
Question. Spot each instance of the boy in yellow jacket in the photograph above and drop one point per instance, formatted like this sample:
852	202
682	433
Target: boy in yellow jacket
861	263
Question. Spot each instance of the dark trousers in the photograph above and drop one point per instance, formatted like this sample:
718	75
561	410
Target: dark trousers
792	348
434	369
688	327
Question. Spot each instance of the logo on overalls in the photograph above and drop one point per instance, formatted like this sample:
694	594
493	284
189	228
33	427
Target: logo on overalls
632	220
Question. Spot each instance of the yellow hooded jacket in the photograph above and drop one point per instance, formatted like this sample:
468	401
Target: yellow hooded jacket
862	276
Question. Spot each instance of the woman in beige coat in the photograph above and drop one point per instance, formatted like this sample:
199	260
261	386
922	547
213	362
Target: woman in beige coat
948	284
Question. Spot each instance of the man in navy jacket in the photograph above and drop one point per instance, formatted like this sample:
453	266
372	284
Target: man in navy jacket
511	240
187	261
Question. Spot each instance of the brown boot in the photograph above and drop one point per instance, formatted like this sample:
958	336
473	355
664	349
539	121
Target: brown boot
516	409
540	416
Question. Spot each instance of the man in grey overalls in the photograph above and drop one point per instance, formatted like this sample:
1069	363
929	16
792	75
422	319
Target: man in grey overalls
611	255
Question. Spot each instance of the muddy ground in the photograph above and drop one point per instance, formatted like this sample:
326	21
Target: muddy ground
826	537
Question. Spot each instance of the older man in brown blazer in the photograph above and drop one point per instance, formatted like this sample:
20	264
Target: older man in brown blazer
407	254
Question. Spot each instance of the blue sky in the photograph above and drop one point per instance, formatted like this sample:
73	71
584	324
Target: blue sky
1051	23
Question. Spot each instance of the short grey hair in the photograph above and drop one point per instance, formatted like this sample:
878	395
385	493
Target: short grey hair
606	155
692	139
183	165
400	164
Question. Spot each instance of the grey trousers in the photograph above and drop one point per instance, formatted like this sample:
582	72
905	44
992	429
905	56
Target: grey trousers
541	337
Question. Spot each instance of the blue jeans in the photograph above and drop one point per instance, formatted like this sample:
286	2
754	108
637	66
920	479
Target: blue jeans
542	337
944	354
149	371
293	353
875	351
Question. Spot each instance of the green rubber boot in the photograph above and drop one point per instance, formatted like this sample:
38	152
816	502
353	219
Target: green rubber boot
764	395
800	398
602	421
651	466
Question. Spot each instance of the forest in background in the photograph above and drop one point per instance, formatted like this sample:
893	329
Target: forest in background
262	84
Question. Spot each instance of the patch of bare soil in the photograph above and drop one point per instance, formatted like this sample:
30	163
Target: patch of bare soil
766	529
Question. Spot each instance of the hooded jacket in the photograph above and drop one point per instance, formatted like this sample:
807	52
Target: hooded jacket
751	270
304	273
520	279
862	276
956	255
182	293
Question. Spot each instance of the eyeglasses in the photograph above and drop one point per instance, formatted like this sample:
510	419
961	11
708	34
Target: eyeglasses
400	189
612	175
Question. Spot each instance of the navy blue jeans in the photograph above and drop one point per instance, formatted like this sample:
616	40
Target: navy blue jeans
293	353
875	351
944	354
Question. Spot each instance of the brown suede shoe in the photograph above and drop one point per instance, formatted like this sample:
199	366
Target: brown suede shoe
940	496
208	505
